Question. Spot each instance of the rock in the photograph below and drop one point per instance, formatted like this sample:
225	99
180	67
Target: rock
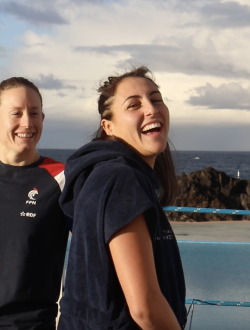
209	188
248	187
245	201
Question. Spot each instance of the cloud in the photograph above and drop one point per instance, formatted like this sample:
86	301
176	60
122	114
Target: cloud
214	13
2	50
226	14
183	58
211	13
217	137
62	94
226	96
33	15
49	82
186	44
83	2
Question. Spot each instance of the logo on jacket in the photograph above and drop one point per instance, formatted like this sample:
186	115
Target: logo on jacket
165	235
32	194
28	214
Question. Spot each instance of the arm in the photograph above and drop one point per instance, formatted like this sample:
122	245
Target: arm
132	254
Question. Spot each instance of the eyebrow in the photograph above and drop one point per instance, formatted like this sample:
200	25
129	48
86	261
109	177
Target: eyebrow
138	96
20	108
34	108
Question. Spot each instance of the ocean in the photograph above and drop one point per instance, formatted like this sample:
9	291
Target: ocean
234	164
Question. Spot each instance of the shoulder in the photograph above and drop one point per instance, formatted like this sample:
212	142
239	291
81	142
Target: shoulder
115	173
123	193
115	169
52	166
55	169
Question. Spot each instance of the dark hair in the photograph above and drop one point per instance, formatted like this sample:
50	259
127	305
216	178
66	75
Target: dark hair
164	167
16	82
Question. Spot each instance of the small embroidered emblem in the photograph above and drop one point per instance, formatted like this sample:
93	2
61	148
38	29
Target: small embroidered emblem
32	194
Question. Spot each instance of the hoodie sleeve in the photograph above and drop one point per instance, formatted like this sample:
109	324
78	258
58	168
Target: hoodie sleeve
125	200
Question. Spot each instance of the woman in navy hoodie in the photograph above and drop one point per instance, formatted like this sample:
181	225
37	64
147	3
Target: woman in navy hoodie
124	269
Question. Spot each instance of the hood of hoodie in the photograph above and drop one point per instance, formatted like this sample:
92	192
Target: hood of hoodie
80	164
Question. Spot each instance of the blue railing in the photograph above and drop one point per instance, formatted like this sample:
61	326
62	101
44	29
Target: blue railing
205	210
188	256
217	303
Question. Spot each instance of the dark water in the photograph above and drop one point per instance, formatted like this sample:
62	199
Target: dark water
235	164
217	271
58	154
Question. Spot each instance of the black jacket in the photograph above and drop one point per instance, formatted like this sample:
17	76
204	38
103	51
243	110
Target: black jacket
107	186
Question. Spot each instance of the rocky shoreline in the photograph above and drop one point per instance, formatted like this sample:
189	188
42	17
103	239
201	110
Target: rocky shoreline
212	189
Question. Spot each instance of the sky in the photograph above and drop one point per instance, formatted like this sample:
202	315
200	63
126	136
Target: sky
199	51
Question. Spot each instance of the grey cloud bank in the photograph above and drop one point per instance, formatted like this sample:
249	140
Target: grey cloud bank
214	14
226	96
226	14
178	59
2	50
32	14
49	82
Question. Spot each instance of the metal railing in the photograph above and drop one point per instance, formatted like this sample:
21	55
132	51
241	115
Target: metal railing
205	210
206	302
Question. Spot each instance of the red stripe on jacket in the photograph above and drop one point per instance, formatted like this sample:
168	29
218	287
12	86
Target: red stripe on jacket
52	166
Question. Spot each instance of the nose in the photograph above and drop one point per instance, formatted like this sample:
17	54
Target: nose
150	108
25	121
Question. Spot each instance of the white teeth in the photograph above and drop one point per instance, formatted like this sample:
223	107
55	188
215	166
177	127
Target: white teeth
24	135
150	126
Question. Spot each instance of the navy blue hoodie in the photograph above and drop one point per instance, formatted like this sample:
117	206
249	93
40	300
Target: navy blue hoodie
107	186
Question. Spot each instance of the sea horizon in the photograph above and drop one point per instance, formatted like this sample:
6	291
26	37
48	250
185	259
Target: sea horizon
234	163
172	150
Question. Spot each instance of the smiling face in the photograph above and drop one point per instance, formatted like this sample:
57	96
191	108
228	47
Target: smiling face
139	117
21	123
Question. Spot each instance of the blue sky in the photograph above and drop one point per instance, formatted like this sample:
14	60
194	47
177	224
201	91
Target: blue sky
198	50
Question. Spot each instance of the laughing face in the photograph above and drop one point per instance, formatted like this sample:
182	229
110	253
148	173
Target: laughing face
139	117
21	122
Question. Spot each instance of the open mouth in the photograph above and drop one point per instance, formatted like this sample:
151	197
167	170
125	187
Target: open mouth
24	135
151	128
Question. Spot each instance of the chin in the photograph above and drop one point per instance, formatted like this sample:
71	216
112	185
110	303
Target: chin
158	151
26	149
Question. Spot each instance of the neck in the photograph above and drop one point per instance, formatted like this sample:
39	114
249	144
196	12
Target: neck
21	159
149	161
